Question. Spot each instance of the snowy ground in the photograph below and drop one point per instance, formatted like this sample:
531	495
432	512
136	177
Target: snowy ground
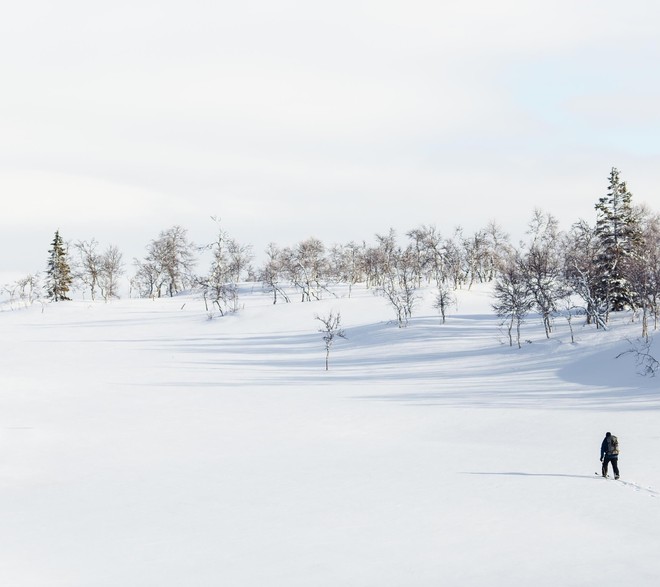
142	444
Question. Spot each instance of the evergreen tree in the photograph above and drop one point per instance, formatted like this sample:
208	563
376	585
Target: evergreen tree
58	275
617	233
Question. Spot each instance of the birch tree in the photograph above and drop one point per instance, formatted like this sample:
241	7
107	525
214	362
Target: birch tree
513	299
331	330
169	263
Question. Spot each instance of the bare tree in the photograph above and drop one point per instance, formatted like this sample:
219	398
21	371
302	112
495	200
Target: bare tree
149	278
90	265
478	260
220	285
373	266
643	268
419	259
647	364
454	258
169	263
434	256
25	290
331	330
240	257
498	248
513	300
581	272
306	268
399	285
111	268
542	267
652	254
271	274
347	264
443	300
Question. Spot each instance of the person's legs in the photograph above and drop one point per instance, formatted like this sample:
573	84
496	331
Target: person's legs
615	466
606	461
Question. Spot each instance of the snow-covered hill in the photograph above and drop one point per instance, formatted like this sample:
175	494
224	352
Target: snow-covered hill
143	444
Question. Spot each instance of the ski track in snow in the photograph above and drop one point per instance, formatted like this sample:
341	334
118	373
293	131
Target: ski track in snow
636	487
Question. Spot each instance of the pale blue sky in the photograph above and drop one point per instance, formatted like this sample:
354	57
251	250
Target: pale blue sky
338	120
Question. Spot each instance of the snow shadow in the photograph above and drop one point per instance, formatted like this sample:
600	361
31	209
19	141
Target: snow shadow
521	474
603	368
494	395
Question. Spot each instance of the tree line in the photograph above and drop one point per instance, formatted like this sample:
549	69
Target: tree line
611	266
590	269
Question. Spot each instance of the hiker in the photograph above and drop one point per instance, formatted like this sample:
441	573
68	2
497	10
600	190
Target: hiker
609	453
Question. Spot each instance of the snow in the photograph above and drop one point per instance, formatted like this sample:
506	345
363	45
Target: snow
143	443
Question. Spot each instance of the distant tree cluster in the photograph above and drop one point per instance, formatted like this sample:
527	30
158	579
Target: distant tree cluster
609	267
168	266
592	270
99	272
392	270
92	270
230	261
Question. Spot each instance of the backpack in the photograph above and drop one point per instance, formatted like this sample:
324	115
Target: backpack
613	445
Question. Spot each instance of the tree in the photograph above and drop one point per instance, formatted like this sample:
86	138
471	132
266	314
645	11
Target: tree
347	264
647	364
384	258
148	278
644	269
513	299
169	264
498	248
477	257
90	265
272	273
419	259
240	257
99	271
453	252
233	257
26	289
618	234
433	253
306	268
652	259
443	299
542	267
111	268
581	271
399	284
58	274
221	283
331	330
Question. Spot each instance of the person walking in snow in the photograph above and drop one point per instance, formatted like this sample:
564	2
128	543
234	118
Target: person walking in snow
609	453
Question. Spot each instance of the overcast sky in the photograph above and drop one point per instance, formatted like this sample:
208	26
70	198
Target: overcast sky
290	119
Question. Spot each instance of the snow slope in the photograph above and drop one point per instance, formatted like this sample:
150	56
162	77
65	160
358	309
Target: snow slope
142	444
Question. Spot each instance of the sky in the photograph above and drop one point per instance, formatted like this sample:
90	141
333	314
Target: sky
340	120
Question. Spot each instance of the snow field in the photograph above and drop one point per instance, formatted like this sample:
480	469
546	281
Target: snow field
143	444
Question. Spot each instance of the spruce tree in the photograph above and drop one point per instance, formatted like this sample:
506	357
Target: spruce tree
58	276
617	233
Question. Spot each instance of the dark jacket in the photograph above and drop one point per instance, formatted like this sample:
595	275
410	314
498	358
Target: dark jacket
610	447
